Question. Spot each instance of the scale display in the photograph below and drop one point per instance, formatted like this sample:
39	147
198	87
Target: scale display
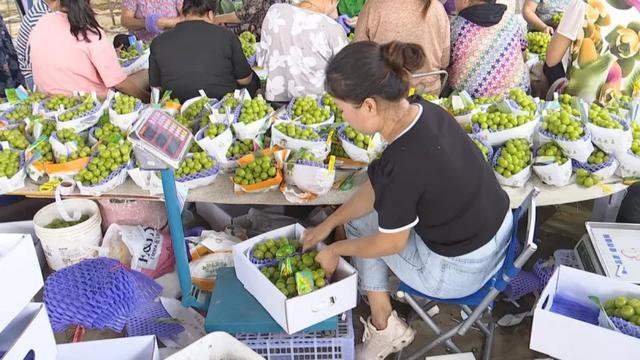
162	137
617	247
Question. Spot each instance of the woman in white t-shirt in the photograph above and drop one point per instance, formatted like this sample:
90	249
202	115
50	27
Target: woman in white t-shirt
603	42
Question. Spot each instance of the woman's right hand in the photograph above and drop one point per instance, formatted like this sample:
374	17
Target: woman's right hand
312	236
549	30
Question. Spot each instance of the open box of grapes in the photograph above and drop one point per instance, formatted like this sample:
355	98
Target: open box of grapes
296	312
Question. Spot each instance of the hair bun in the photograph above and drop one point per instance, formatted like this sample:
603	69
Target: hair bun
403	57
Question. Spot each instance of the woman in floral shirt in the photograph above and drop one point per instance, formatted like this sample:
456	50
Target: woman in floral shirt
603	39
251	15
147	18
10	76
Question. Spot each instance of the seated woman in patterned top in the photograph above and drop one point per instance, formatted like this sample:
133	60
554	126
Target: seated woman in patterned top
487	49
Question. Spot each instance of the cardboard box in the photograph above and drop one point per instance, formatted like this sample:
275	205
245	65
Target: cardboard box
25	227
29	335
20	276
300	312
129	348
565	338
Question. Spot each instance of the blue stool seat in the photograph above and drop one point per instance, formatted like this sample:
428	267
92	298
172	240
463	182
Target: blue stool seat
471	300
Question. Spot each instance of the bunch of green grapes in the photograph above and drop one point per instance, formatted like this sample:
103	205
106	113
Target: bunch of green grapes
496	120
199	162
635	144
60	223
524	100
553	150
68	135
297	132
358	139
254	109
429	97
624	308
229	101
287	284
561	124
270	248
307	108
240	148
557	17
350	37
487	100
83	152
48	126
514	157
183	120
66	102
598	157
447	104
124	104
566	104
215	130
108	130
78	111
336	147
248	42
482	148
600	116
15	137
9	163
34	97
44	147
261	169
585	178
538	42
18	113
327	100
195	109
132	52
109	158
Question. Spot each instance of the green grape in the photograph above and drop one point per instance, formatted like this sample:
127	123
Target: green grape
448	104
124	104
297	132
108	130
514	157
586	178
600	116
429	97
487	100
109	158
493	119
44	147
538	42
598	157
195	110
248	42
307	109
215	130
228	101
557	17
79	111
261	169
48	126
287	284
131	52
482	148
68	135
358	139
553	150
15	137
34	97
198	162
60	223
240	148
561	124
66	102
18	113
327	100
9	163
83	152
350	37
254	109
524	100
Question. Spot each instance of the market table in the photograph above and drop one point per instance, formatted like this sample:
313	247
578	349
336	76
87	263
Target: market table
221	192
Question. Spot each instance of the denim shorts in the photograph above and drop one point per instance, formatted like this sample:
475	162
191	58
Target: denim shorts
426	271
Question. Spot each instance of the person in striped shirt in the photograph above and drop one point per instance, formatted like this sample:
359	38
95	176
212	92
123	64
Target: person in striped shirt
38	10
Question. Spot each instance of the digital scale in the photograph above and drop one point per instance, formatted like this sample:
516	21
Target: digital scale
611	249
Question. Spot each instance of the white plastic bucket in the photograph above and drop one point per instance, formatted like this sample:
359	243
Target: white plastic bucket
70	245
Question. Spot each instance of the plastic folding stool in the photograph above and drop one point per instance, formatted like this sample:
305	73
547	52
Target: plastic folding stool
483	300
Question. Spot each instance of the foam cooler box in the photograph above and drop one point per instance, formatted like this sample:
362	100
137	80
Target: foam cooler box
298	313
563	337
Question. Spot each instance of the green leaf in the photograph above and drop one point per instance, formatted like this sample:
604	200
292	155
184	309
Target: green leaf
634	25
619	4
613	35
627	66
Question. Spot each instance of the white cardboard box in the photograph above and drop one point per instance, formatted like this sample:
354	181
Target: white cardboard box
29	334
20	276
25	227
300	312
565	338
129	348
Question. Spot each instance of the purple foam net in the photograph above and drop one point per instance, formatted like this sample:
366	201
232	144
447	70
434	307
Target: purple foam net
486	144
152	319
522	284
110	177
565	306
261	262
202	174
626	327
543	272
97	294
93	110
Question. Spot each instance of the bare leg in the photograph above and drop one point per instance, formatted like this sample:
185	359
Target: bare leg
380	303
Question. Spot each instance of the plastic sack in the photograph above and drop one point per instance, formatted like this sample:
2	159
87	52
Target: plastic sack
554	174
144	249
115	179
629	164
611	141
319	147
146	180
499	137
579	150
16	181
124	121
218	146
82	122
212	252
602	171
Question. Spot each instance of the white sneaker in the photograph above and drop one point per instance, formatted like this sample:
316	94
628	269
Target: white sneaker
378	344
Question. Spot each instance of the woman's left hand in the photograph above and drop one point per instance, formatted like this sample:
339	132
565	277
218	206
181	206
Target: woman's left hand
328	260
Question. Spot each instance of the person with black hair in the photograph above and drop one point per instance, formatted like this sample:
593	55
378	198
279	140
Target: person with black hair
432	210
70	52
198	55
251	14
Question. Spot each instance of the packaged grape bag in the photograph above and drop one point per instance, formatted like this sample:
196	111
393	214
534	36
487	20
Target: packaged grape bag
375	147
255	128
602	171
115	179
15	181
629	164
296	116
611	141
309	174
81	117
123	121
218	146
224	110
202	178
518	179
579	149
318	147
551	172
272	183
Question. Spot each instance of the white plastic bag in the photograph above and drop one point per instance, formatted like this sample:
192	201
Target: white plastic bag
124	121
216	147
611	141
146	180
16	181
310	177
499	137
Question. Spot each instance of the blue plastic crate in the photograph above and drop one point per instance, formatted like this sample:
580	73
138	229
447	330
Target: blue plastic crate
335	344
